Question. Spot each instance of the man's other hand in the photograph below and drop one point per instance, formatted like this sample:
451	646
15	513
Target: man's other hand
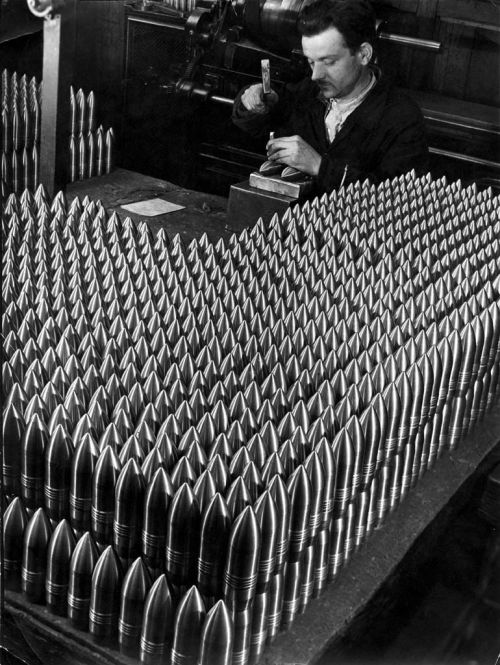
254	100
294	151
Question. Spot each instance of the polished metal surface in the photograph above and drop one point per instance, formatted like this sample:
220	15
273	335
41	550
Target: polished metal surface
198	438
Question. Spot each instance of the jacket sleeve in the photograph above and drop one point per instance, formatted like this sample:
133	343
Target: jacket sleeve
255	124
259	125
401	146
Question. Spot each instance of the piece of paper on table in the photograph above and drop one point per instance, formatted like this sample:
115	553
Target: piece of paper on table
152	207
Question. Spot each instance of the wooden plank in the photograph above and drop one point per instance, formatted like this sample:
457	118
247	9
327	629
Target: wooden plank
484	70
470	115
483	11
452	64
403	5
423	62
203	213
427	8
52	638
475	24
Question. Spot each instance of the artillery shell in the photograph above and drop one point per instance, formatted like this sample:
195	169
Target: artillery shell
12	431
129	507
105	475
105	597
157	623
80	493
183	537
188	628
34	442
299	491
81	567
15	520
34	561
58	458
59	552
217	637
135	587
242	562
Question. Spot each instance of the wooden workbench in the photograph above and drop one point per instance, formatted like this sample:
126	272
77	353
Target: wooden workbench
203	213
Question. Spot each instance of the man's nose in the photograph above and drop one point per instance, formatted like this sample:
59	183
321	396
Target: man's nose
318	71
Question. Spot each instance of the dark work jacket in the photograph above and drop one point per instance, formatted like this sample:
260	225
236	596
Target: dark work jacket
382	138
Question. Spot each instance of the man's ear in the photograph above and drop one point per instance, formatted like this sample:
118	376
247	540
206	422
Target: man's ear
365	52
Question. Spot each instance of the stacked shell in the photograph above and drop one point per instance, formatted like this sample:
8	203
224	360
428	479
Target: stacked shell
197	439
90	147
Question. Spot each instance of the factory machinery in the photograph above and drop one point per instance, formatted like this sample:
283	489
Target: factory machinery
183	68
165	75
196	439
89	150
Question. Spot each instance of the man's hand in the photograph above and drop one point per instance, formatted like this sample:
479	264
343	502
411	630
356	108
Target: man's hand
294	151
254	100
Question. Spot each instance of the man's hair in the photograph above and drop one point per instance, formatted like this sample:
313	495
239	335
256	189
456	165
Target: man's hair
354	19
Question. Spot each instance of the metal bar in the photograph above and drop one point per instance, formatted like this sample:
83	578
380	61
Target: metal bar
415	42
222	100
464	158
161	24
58	57
428	114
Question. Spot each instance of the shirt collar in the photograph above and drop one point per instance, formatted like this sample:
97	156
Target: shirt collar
367	114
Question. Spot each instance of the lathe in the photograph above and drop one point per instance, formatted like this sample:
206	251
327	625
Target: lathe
184	66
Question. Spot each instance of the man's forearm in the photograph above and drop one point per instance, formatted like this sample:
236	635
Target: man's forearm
255	124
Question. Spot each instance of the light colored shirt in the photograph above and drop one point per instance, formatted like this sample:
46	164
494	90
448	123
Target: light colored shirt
338	110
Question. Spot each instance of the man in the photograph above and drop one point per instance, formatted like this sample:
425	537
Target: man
346	122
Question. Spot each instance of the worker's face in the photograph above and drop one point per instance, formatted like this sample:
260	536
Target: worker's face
334	68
